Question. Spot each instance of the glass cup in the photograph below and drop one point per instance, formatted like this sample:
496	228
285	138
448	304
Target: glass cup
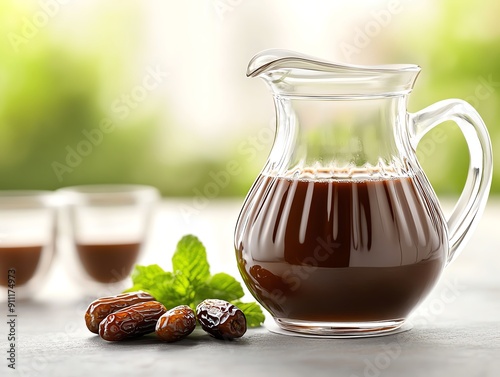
105	229
27	238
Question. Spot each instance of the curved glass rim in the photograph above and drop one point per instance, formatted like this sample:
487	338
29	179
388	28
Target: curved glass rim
279	58
108	194
299	76
27	199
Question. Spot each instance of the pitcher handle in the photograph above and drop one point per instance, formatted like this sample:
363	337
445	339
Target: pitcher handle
472	201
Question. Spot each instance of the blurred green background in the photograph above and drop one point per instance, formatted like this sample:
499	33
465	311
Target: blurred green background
154	92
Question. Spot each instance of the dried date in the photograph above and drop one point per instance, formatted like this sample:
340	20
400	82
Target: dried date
221	319
176	324
101	308
132	321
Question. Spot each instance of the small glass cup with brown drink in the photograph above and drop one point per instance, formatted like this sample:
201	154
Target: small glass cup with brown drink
27	237
106	229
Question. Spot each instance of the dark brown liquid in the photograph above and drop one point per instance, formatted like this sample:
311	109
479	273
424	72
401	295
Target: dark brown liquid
24	259
339	251
108	263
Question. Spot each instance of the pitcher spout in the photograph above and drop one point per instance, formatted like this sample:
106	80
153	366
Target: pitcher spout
289	73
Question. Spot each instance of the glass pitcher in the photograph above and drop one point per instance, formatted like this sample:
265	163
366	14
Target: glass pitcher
342	233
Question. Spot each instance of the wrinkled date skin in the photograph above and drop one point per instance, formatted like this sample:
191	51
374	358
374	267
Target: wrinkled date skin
101	308
132	321
176	324
221	319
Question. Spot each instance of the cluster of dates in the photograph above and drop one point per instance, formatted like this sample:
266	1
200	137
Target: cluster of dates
134	314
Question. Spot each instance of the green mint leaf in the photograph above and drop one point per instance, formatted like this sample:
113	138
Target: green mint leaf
191	282
190	260
152	279
176	293
180	292
181	286
225	287
146	275
221	286
253	313
133	288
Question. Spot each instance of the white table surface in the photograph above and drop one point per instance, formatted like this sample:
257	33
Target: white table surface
456	332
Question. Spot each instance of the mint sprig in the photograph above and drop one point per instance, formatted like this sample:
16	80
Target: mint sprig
190	282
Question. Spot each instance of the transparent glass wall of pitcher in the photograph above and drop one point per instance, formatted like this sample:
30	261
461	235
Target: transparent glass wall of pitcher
333	135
